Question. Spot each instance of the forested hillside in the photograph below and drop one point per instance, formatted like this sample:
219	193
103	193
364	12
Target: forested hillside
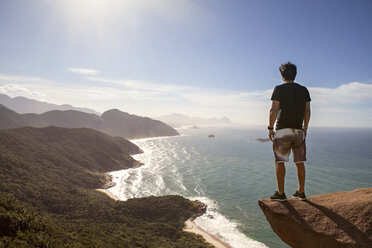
47	196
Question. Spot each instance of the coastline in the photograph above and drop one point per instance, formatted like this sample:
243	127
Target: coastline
111	195
190	225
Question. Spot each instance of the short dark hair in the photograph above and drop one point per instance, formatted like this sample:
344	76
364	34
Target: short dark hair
288	71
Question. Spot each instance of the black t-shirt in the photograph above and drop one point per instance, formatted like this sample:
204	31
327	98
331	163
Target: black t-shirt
292	98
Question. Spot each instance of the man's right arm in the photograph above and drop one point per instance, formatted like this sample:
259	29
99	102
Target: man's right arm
272	117
307	117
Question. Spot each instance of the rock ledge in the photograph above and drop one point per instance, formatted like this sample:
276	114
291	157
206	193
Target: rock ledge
342	219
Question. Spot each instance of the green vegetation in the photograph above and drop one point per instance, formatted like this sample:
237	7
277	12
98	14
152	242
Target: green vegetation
47	196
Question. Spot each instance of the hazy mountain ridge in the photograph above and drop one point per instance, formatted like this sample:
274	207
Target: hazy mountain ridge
47	197
149	127
113	122
24	105
177	120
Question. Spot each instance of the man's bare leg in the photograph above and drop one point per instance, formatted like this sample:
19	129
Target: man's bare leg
301	177
280	174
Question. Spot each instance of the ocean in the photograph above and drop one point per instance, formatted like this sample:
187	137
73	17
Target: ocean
232	171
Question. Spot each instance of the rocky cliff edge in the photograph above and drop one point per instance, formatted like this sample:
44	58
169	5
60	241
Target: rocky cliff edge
341	219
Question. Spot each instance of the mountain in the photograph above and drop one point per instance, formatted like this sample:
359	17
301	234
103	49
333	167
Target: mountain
177	120
135	126
113	122
101	151
25	105
10	119
47	197
72	119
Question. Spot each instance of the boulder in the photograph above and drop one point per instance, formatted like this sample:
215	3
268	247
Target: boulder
341	219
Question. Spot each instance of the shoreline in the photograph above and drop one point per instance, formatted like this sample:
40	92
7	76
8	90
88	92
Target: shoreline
109	194
190	226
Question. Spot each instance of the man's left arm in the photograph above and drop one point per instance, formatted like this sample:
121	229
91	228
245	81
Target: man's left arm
306	117
272	117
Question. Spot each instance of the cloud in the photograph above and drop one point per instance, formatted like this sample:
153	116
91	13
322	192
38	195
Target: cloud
141	85
13	90
24	79
329	105
350	93
83	71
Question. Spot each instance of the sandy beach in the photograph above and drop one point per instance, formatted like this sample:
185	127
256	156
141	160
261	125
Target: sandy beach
109	194
191	226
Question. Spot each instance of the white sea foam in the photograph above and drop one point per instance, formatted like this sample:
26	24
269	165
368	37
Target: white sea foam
148	179
160	176
196	189
215	223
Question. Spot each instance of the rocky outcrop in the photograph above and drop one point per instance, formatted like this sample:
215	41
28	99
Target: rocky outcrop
342	219
202	209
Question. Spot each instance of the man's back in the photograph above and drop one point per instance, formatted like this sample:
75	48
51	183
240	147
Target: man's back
292	98
290	109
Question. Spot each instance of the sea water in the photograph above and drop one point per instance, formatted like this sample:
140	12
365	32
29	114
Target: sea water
232	171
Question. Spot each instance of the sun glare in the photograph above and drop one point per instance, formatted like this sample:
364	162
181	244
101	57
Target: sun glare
100	24
95	11
90	11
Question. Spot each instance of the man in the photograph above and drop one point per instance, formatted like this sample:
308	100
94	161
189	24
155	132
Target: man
291	111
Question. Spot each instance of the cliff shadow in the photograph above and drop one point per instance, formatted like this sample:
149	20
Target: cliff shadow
350	229
296	216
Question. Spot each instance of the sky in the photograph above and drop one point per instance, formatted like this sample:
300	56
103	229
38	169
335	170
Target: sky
202	58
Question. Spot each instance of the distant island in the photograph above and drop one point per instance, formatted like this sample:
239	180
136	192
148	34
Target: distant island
262	140
195	127
211	136
113	122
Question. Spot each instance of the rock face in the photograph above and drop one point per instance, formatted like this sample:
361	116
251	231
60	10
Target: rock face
202	209
342	219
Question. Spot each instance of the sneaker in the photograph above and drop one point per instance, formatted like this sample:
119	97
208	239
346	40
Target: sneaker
300	196
278	197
